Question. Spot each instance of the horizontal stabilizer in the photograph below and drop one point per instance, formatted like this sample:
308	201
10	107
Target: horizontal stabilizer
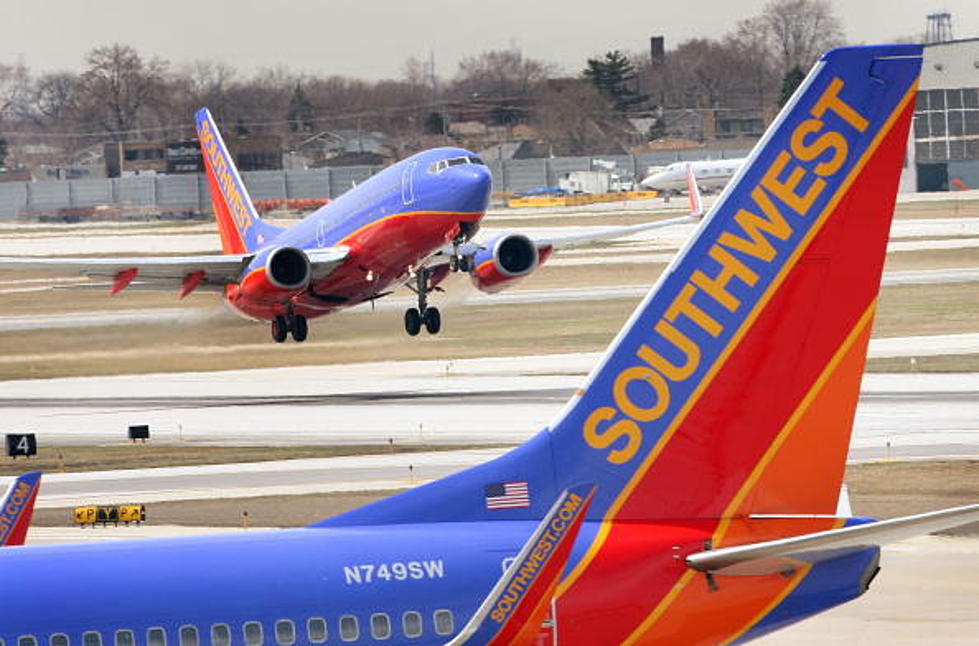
514	609
782	554
17	507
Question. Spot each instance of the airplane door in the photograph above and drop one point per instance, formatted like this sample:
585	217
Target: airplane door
408	184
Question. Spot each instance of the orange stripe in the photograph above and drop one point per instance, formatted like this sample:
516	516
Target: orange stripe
637	477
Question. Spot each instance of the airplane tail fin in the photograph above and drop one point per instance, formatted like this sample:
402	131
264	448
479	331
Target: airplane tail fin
693	192
17	508
240	227
732	389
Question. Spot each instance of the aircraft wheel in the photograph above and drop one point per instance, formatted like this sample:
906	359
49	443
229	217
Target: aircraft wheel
413	321
433	320
279	329
300	329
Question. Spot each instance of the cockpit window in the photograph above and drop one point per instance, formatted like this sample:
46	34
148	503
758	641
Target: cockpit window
437	167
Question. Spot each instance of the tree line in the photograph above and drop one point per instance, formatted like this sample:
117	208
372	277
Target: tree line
123	95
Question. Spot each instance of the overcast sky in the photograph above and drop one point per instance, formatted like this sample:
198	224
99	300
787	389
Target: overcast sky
372	38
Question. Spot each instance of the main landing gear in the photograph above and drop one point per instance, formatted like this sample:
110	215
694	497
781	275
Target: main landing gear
283	325
415	317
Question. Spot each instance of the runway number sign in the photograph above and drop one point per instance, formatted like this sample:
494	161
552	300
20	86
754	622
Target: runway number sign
21	444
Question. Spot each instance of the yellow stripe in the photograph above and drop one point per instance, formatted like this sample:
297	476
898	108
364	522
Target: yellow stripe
405	214
745	326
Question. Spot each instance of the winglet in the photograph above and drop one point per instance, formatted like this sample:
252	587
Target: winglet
17	508
514	609
693	191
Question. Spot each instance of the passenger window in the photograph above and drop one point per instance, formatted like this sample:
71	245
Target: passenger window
253	633
27	640
349	629
125	638
91	638
380	626
316	630
188	636
285	632
411	623
156	637
444	622
220	635
57	639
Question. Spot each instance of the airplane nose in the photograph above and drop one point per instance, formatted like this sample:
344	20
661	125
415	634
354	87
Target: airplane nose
473	184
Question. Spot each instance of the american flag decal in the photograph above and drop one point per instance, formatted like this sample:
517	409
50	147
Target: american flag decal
507	495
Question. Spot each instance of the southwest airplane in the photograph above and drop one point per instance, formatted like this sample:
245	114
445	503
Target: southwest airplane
411	224
687	494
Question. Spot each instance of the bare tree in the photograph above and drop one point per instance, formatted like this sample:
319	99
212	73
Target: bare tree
800	30
499	73
14	89
573	116
117	85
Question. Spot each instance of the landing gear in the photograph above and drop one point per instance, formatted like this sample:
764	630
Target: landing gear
280	330
433	320
300	329
282	326
423	314
413	321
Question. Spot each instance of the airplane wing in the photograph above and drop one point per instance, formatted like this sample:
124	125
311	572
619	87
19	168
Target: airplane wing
575	239
17	508
783	554
514	609
210	273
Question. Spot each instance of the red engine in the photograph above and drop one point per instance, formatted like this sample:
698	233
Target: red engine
286	272
505	260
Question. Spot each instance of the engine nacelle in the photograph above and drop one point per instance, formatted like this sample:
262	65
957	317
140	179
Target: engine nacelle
505	260
286	272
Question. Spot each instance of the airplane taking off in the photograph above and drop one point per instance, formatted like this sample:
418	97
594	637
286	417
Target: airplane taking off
710	174
411	224
687	494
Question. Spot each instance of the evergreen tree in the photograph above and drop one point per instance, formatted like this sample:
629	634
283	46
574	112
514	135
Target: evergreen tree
792	79
614	76
3	152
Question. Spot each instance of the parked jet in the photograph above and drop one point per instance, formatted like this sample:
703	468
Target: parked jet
687	494
411	224
17	508
710	175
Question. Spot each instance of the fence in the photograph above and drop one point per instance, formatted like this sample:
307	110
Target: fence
189	193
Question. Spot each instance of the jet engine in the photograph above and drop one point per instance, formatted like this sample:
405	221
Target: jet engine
505	259
286	272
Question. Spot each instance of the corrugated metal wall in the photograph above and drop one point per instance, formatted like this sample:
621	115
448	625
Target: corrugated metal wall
190	192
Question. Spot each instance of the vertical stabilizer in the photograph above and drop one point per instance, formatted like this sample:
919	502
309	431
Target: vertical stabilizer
241	229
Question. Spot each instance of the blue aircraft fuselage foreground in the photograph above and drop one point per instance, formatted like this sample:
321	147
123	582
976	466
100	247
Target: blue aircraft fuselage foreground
411	224
687	494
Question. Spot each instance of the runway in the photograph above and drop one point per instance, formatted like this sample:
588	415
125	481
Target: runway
197	314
